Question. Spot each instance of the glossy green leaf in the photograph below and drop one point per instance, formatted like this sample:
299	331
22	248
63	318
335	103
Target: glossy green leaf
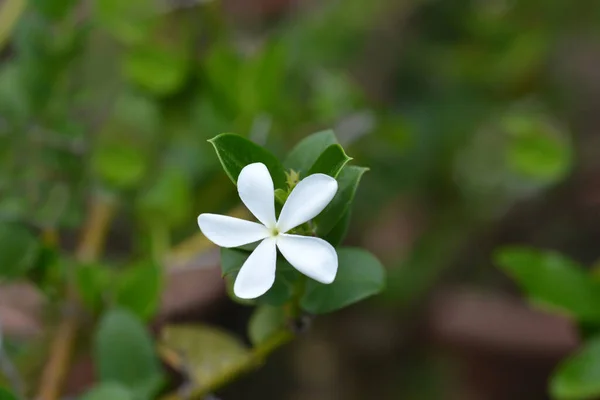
235	152
6	394
156	69
348	181
338	233
360	275
305	154
264	322
124	354
106	391
552	280
139	288
578	377
93	281
330	162
207	352
18	250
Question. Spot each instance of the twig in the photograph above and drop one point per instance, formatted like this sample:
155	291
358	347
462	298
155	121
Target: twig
255	360
61	349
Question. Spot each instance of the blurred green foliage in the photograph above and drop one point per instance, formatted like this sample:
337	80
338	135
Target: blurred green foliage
453	105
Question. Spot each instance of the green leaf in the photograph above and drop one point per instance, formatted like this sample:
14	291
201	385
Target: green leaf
119	164
124	354
285	277
6	394
536	149
330	162
18	250
307	151
235	152
105	391
264	322
207	352
281	196
129	21
139	288
552	280
359	276
348	181
578	377
168	201
338	233
156	68
92	282
54	9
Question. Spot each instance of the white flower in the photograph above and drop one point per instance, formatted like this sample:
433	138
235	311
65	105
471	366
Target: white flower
312	256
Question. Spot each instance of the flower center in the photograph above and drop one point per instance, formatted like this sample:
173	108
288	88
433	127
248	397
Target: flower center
274	231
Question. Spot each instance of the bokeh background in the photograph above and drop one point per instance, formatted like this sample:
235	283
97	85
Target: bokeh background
478	118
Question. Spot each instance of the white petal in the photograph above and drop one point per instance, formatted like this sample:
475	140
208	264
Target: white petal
256	190
227	231
258	272
310	196
312	256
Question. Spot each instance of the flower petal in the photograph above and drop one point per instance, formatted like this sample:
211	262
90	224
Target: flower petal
227	231
310	196
312	256
256	190
258	272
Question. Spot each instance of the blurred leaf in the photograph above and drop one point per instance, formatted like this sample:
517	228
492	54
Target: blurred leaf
360	275
129	21
135	111
106	391
6	394
264	322
334	96
18	250
578	377
124	354
139	288
330	162
536	150
156	68
550	279
305	154
235	152
14	102
10	11
348	181
92	281
207	352
222	67
262	80
119	164
54	9
338	233
168	201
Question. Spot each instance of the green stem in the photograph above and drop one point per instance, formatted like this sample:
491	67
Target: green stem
250	363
